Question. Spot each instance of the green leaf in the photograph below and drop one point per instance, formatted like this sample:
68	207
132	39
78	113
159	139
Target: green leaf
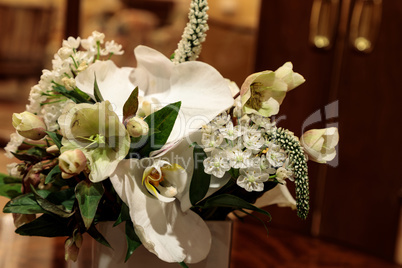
94	233
10	187
183	264
56	138
200	181
97	93
88	195
133	241
131	105
76	96
24	204
46	225
59	210
124	215
26	157
51	175
232	201
161	122
65	198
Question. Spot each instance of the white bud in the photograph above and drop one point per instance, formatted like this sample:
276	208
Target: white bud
137	127
71	163
29	125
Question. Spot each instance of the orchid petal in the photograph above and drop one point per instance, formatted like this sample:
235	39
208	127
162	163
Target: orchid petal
115	90
173	235
202	90
279	195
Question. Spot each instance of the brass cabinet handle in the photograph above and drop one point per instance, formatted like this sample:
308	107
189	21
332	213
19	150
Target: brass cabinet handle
324	23
365	24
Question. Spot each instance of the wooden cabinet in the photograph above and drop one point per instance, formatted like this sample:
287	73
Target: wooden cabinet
357	202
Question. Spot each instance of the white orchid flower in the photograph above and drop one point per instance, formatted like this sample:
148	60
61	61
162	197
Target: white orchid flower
161	218
202	90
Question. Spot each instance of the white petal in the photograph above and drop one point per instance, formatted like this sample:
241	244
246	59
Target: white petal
279	195
182	154
174	236
202	90
114	83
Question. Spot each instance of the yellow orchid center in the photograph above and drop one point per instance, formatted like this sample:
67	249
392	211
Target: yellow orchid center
155	178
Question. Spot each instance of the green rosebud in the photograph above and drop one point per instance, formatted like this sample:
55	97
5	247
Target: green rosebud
137	127
29	125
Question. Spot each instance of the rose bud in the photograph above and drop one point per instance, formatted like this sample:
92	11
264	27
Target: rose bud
29	125
71	163
137	127
320	144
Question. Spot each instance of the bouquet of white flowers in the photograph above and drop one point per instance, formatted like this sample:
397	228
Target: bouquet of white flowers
161	147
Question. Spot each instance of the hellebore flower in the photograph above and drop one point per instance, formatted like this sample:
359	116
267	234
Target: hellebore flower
97	131
29	125
262	93
202	90
320	144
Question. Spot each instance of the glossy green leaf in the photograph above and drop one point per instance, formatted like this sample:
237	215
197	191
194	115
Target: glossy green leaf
131	105
124	214
133	241
88	195
59	210
95	234
97	93
46	225
56	138
161	122
75	95
10	187
200	181
24	204
232	201
52	174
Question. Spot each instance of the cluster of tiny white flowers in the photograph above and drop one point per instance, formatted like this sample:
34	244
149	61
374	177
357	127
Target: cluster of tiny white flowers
244	147
189	46
12	146
66	64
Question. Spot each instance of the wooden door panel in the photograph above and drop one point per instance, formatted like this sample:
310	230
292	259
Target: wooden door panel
284	36
361	195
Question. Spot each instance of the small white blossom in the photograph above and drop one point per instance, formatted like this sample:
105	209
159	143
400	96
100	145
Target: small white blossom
111	47
69	83
208	129
230	132
263	164
253	140
72	42
98	37
282	174
262	122
217	164
12	146
211	141
239	158
13	170
220	120
64	53
252	179
275	155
